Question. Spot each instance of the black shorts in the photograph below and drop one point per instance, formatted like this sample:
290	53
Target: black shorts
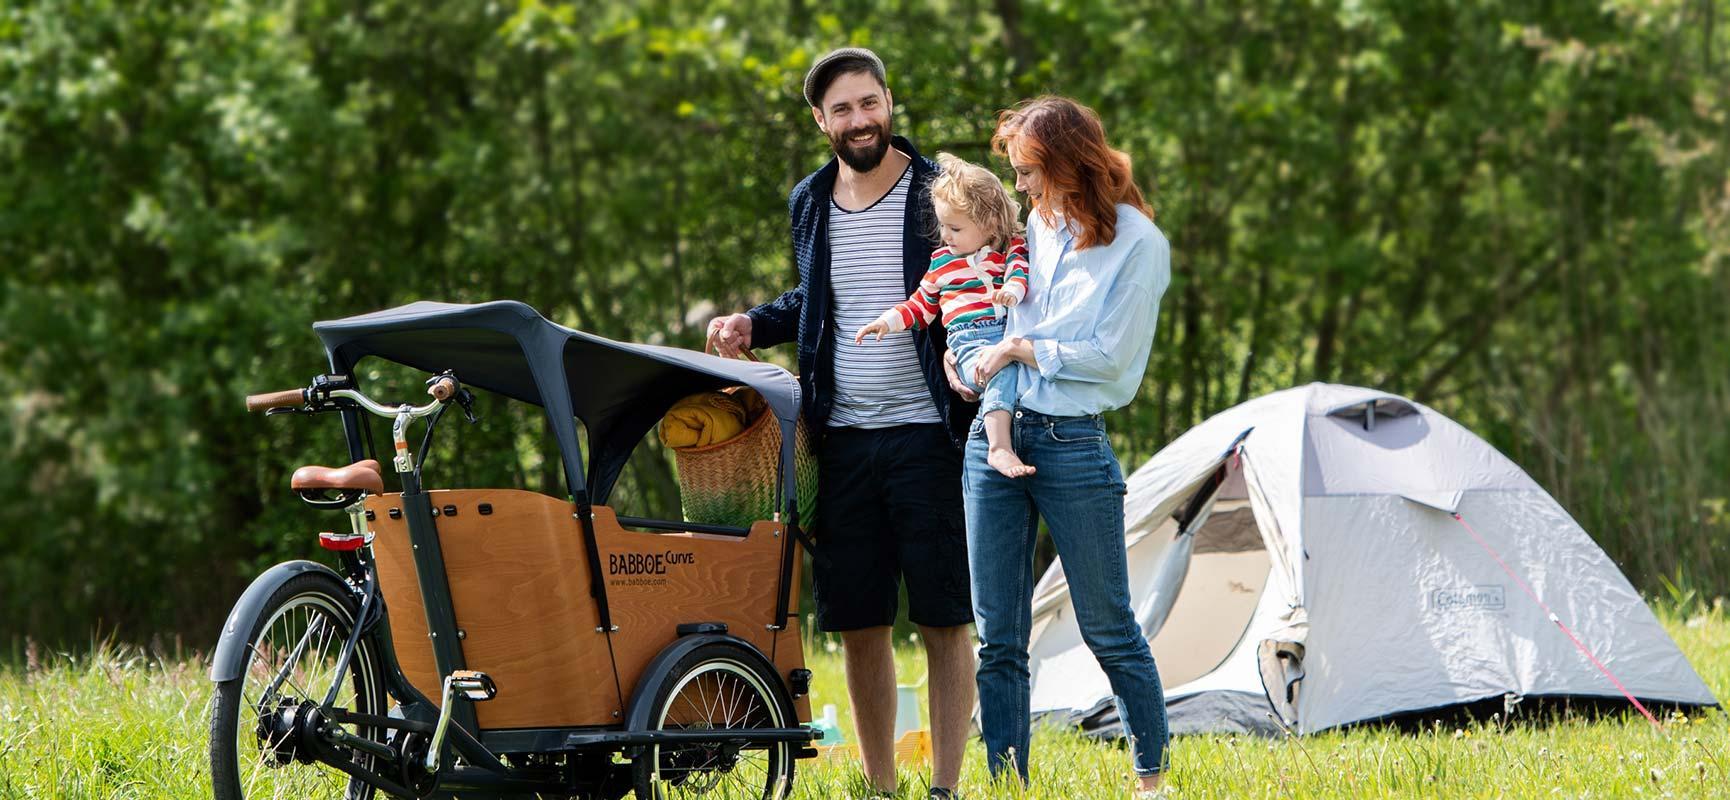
889	507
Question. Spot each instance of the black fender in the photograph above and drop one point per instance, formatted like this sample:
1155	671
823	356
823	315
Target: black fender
660	671
230	657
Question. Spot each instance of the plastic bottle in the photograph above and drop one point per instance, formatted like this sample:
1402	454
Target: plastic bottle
830	725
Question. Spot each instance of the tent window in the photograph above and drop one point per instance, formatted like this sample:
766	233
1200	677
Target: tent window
1367	412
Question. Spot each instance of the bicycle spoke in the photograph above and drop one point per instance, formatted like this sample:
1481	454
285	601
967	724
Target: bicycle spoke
293	656
719	696
296	651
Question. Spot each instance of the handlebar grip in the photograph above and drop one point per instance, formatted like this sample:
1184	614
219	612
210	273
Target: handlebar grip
442	388
284	399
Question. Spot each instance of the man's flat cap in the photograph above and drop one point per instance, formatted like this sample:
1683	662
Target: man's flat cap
824	70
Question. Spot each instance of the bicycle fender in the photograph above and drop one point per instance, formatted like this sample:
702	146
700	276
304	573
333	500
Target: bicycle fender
660	669
230	657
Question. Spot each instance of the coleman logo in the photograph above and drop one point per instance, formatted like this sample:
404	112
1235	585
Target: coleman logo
646	563
1469	598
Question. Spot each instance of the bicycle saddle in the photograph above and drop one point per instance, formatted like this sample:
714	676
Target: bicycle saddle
364	475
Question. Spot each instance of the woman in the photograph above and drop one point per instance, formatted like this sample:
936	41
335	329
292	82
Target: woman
1081	342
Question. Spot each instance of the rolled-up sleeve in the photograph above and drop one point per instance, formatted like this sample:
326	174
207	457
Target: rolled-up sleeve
1103	357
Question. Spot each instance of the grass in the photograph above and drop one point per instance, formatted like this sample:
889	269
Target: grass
121	723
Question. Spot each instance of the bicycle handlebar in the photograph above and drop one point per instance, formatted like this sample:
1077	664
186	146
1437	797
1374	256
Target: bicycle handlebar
388	412
284	399
442	390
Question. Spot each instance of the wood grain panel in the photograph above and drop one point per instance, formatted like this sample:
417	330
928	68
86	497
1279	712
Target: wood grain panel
656	581
519	585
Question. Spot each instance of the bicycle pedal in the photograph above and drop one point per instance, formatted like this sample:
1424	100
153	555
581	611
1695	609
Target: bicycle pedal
476	686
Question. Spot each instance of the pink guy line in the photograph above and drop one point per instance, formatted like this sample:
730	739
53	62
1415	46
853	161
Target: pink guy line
1558	620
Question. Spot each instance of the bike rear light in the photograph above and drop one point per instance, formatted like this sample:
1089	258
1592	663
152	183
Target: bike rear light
341	542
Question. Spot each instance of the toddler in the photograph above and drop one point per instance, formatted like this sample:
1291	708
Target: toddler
975	277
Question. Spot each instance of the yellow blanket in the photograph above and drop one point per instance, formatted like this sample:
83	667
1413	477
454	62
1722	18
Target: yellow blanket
708	418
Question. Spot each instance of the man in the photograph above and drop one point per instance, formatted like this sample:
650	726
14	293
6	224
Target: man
889	459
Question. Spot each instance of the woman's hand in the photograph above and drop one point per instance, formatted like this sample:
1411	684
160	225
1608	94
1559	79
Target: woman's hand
878	327
999	356
954	376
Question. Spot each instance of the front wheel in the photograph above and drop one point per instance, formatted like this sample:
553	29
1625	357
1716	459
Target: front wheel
717	686
256	747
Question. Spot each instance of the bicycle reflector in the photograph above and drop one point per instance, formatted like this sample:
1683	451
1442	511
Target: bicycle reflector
342	542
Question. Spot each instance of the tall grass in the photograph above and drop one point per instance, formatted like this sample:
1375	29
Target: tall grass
122	723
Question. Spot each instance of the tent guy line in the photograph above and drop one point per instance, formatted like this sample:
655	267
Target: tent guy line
1527	588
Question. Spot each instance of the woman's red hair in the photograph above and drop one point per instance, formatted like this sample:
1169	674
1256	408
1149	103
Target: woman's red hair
1084	177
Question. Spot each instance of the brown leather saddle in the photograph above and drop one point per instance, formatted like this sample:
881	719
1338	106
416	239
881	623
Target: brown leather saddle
361	476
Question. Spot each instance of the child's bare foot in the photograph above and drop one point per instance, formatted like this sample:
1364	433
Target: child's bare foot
1005	460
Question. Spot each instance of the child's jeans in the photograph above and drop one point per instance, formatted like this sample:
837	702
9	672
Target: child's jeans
969	341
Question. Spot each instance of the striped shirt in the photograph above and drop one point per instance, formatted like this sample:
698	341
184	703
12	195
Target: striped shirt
879	383
959	288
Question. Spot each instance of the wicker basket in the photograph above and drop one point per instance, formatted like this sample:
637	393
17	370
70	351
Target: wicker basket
733	482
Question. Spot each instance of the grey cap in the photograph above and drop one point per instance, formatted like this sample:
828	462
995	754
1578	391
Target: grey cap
822	72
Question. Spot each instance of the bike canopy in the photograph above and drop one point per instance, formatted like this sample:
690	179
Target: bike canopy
619	390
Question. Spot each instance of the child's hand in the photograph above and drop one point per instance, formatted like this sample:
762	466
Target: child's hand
1005	298
878	327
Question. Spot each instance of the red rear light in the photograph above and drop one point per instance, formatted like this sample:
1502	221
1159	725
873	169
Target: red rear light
341	541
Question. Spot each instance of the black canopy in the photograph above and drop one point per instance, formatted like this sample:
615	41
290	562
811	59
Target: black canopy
619	390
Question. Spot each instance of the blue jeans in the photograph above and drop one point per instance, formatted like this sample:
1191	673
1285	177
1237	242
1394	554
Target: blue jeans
969	343
1079	491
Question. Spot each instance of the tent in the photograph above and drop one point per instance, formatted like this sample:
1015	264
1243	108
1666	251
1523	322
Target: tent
1331	554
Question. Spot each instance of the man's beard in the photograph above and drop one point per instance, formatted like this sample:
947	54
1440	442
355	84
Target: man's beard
867	158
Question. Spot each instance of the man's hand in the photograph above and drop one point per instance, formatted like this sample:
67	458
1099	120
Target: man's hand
954	376
878	327
730	335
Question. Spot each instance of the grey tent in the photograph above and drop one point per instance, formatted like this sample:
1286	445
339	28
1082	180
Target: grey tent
1331	554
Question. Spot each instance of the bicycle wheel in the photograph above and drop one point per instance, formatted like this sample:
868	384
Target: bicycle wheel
717	686
293	648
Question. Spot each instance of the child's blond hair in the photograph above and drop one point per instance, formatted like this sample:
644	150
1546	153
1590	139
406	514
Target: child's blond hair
977	192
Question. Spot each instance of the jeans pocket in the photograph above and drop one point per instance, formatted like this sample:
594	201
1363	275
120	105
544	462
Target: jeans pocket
1079	430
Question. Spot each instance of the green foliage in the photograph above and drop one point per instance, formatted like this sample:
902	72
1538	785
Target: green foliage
1515	212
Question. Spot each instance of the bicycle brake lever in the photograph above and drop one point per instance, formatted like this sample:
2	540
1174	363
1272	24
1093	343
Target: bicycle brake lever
466	402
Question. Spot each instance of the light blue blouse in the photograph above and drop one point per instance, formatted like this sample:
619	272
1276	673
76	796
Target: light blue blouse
1090	315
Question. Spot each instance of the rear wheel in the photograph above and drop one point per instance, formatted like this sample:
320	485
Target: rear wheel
257	728
717	686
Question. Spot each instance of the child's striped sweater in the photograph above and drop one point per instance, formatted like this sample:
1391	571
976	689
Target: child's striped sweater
959	287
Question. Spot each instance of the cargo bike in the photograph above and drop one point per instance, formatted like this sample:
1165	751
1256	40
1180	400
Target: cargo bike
502	642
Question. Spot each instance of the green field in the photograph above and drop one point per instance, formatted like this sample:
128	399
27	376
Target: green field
131	724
